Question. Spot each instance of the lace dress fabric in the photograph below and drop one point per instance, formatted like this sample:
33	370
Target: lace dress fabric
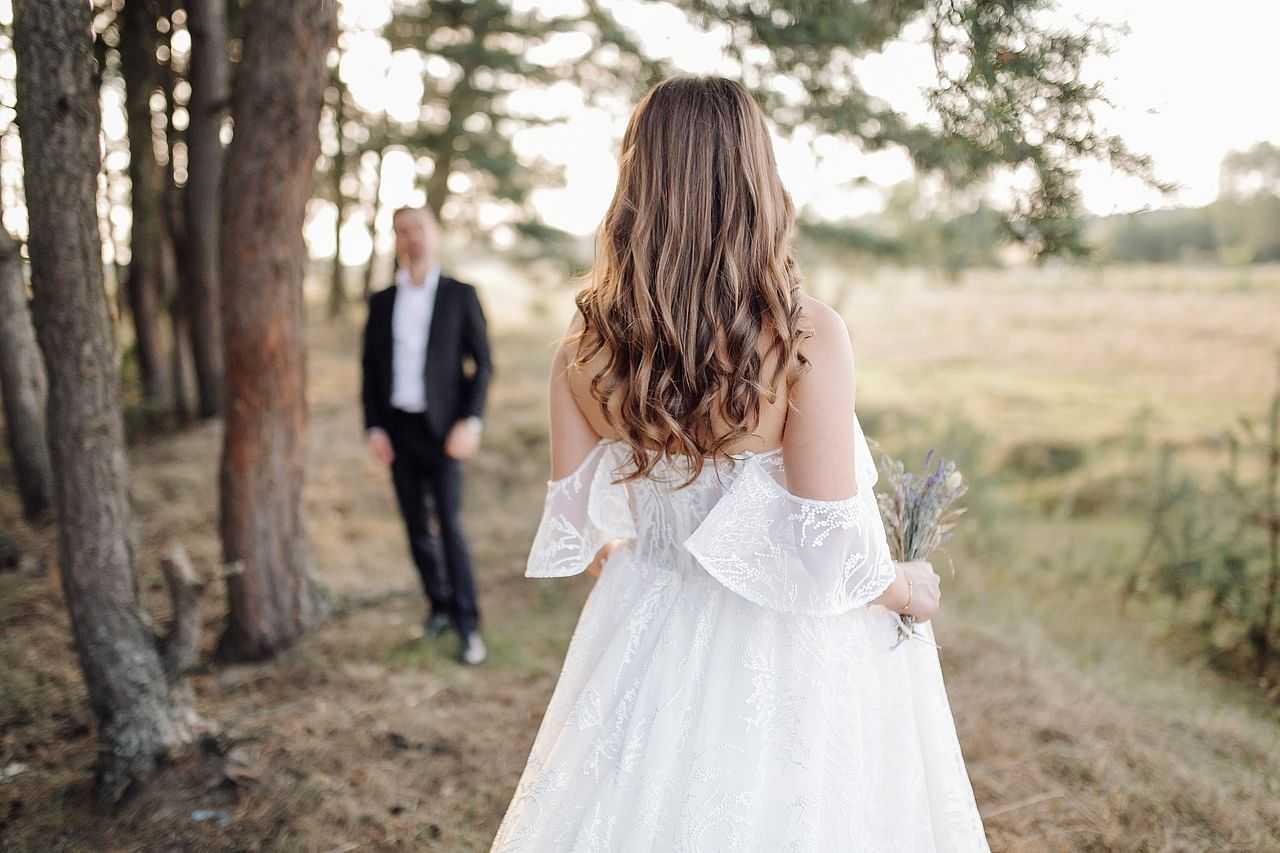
729	687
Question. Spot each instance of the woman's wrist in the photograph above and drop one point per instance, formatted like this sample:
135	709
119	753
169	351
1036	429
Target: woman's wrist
896	596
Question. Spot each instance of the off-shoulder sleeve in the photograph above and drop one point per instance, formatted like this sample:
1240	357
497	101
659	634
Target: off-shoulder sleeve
581	512
795	554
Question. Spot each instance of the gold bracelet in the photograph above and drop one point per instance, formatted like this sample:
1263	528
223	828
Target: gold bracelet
907	606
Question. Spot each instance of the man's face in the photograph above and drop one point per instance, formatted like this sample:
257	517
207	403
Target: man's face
415	235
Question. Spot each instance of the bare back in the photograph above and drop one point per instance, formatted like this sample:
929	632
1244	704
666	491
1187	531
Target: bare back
811	419
768	432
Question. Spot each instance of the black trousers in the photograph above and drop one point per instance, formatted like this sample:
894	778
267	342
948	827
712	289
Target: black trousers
428	486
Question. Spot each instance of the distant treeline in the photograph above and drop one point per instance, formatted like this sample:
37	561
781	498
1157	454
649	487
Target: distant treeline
921	227
1233	231
1241	227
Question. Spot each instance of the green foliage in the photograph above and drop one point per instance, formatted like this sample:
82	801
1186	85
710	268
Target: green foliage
1246	215
467	123
947	234
848	238
1011	93
1037	459
1242	226
1212	550
1179	235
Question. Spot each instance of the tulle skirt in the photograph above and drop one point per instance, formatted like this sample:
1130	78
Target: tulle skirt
688	718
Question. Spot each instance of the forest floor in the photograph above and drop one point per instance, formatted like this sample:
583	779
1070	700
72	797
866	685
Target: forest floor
1082	731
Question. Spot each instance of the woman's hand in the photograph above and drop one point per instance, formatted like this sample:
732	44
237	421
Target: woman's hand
602	556
924	597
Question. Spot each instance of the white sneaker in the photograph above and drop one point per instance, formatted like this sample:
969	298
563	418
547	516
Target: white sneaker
474	652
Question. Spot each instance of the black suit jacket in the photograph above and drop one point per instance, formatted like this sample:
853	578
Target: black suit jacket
458	331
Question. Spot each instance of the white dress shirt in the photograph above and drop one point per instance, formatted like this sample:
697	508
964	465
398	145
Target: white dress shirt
410	326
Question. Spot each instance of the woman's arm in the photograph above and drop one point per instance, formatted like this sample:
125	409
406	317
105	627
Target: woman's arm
572	436
818	442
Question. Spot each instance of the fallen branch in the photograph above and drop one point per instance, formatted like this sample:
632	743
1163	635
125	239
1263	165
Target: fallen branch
1022	804
180	647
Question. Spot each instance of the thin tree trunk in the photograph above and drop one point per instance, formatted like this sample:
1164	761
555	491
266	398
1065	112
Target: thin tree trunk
180	369
461	99
22	383
206	19
337	285
145	283
371	268
59	118
173	255
1271	519
438	185
277	102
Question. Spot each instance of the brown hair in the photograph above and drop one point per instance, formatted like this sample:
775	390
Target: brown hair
693	263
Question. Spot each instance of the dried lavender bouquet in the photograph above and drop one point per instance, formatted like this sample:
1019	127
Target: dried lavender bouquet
919	513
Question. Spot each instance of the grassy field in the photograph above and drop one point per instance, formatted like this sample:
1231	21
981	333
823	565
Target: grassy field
1083	729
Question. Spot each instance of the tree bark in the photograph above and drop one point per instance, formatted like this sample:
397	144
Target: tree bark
22	383
59	119
337	284
371	268
176	285
181	645
145	283
206	19
276	107
461	98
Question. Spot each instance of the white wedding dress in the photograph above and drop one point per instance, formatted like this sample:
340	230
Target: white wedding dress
729	688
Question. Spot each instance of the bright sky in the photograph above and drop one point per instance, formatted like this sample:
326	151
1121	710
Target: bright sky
1190	83
1183	82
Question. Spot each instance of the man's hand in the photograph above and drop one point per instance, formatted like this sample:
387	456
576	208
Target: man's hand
380	446
464	439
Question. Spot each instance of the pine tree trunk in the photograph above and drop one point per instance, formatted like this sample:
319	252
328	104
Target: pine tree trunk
22	383
337	285
58	116
371	268
145	283
176	286
206	19
277	102
461	101
180	368
1271	520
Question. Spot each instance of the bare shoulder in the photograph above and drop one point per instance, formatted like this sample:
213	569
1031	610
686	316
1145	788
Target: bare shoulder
567	345
569	352
827	347
817	441
576	324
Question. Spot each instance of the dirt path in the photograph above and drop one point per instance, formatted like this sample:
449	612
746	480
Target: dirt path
368	738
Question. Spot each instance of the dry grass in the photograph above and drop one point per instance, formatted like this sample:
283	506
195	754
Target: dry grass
368	738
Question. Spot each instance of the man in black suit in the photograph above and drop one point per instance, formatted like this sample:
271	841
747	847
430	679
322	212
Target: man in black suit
422	414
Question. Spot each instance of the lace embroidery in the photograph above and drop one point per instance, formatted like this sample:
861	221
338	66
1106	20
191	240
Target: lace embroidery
581	513
712	700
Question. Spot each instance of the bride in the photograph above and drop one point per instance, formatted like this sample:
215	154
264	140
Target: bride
733	682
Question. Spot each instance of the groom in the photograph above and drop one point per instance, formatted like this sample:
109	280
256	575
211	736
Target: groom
422	414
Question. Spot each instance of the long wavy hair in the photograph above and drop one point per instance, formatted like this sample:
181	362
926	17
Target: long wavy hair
693	264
